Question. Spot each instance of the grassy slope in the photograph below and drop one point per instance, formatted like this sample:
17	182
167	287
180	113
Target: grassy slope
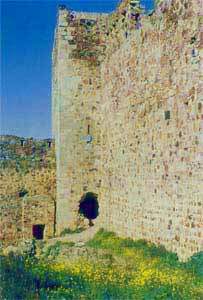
127	270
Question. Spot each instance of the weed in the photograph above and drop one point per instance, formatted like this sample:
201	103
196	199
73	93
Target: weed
71	231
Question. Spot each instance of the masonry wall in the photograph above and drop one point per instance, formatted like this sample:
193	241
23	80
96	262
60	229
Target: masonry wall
75	96
38	210
152	121
11	219
146	152
35	182
17	216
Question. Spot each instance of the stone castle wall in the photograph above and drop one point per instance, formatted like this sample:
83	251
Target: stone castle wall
152	120
11	220
142	102
36	210
17	213
35	182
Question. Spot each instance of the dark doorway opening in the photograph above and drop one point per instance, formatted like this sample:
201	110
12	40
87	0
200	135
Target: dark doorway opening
89	207
38	231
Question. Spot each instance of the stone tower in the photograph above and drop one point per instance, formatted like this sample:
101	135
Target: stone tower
127	120
76	100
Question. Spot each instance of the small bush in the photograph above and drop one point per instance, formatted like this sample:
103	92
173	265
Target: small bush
54	250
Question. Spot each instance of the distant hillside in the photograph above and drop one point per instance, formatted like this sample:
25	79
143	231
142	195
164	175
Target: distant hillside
9	138
23	154
17	139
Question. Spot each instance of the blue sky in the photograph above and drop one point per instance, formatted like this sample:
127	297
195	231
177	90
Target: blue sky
27	31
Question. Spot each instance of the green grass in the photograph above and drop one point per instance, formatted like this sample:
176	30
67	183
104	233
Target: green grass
144	272
54	250
71	231
109	240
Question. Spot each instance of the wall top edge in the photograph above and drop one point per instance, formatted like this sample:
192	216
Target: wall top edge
80	14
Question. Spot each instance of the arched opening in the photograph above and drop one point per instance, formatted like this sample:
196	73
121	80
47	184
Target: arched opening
89	207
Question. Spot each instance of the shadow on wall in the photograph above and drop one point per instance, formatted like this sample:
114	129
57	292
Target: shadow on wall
89	207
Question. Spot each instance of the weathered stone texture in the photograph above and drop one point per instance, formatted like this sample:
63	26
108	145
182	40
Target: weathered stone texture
11	219
143	105
35	182
75	117
18	215
38	209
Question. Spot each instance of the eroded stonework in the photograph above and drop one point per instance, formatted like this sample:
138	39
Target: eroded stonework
19	216
27	189
127	120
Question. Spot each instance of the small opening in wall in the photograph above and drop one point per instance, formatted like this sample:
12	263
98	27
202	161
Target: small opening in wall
38	231
167	115
194	53
22	192
49	142
22	142
193	40
89	207
88	129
